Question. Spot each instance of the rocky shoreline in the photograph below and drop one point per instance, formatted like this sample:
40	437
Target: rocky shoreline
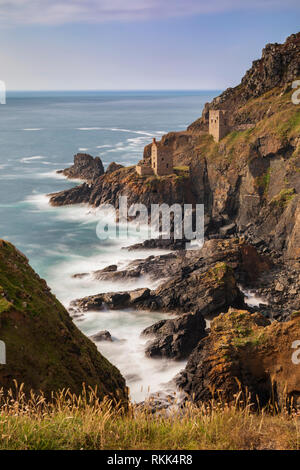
199	287
249	184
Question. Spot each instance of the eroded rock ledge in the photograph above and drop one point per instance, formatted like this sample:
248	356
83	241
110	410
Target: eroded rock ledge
85	167
245	353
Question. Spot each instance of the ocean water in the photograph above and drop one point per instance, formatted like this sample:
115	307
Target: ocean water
39	134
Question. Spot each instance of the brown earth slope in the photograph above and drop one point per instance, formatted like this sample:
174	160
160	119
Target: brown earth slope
44	349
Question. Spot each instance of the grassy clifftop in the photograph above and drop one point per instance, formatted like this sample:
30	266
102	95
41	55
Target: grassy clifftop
44	348
73	423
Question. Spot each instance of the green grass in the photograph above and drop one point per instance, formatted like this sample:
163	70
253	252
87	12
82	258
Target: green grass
69	422
284	197
182	168
290	127
263	181
4	305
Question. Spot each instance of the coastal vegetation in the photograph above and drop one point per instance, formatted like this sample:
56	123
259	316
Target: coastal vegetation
83	422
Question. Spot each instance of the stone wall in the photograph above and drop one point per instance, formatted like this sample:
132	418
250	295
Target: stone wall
144	170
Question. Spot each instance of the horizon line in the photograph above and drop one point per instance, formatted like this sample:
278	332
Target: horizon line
111	90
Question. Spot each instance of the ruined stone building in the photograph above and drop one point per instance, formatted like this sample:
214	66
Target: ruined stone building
218	124
160	163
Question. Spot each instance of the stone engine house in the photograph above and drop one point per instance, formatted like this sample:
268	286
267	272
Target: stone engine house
160	164
218	127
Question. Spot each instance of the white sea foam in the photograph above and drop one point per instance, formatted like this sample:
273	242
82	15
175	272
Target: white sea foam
32	129
115	129
252	299
55	175
29	159
127	351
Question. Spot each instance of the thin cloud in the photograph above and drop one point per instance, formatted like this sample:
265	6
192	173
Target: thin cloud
101	11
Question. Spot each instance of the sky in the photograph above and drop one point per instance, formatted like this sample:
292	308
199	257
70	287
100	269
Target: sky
137	44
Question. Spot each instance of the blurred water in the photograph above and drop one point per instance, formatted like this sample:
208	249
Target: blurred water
39	134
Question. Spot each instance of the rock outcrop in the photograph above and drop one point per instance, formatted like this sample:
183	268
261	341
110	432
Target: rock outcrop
207	290
278	67
85	168
125	182
101	336
175	338
113	166
44	348
245	353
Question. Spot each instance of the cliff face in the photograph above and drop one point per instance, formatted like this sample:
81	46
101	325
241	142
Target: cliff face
250	179
125	182
243	351
278	66
44	348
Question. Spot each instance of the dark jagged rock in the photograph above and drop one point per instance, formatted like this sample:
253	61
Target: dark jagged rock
244	352
255	268
109	269
101	336
78	195
207	291
154	267
113	166
175	338
113	300
159	243
85	167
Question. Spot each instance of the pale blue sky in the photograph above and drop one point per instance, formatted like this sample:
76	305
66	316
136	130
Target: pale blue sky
136	44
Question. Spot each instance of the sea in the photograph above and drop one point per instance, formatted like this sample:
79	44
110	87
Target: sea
39	134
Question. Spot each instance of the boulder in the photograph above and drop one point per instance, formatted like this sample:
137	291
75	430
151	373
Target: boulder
175	338
208	291
101	336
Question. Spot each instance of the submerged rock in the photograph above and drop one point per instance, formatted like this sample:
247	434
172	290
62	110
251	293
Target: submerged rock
113	166
101	336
